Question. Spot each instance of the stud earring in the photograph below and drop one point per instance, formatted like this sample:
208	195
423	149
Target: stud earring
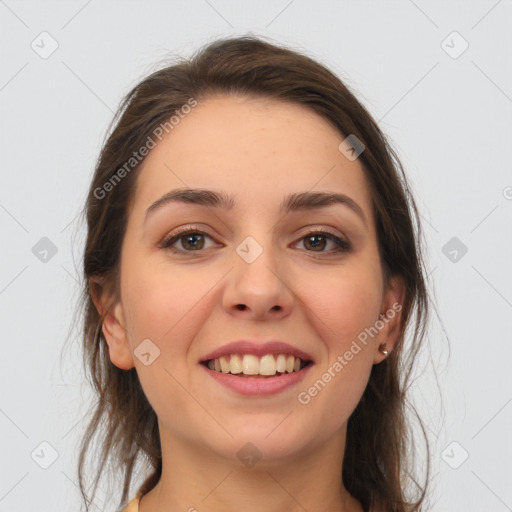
384	350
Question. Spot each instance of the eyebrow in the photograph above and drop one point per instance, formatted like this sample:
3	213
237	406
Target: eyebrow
293	202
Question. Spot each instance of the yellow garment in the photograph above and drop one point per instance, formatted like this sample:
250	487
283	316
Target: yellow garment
133	506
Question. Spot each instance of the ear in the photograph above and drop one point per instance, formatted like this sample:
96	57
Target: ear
113	325
391	317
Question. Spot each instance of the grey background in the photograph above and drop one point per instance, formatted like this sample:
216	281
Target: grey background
449	118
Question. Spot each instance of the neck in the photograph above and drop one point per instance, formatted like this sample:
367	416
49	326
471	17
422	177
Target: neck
195	479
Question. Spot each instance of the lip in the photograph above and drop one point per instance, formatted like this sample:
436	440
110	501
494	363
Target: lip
257	349
258	386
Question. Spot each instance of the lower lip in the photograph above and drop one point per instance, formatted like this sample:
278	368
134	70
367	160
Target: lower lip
258	386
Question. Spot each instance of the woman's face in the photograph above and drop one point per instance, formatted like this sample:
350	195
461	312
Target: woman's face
259	273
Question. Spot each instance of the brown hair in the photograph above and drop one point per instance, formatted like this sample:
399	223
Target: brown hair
378	460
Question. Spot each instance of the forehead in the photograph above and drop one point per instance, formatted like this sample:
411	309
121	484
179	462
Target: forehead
257	149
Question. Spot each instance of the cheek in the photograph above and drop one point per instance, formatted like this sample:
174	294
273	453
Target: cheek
345	302
164	306
342	306
160	301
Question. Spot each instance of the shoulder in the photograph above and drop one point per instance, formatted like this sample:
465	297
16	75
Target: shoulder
133	506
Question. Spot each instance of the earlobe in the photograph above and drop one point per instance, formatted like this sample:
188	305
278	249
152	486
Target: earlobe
113	325
391	318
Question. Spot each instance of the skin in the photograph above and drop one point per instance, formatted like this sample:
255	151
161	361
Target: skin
188	305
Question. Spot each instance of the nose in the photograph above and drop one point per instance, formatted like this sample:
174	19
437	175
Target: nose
257	289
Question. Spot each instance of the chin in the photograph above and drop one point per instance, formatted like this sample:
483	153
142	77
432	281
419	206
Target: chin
269	447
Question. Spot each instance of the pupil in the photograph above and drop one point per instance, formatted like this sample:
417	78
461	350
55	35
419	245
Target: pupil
190	238
313	237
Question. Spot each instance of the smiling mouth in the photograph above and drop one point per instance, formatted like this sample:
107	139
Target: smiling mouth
249	366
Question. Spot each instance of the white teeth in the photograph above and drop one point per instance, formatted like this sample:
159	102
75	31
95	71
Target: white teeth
224	364
268	365
249	364
235	364
281	363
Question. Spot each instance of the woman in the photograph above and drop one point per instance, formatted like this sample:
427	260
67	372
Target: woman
252	264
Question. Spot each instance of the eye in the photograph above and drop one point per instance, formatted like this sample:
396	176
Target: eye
191	240
318	241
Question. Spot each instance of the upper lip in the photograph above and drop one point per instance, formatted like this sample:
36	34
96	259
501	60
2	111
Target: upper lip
258	349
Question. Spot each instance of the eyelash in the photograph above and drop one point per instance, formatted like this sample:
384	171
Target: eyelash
342	246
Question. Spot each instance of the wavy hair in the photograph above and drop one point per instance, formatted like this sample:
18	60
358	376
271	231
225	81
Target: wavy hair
378	460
